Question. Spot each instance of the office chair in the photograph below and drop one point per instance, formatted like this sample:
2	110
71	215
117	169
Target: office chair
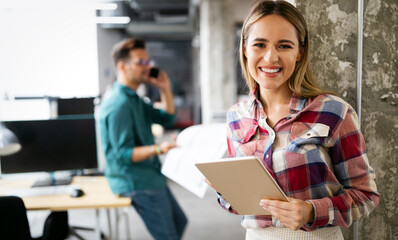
14	222
57	227
13	219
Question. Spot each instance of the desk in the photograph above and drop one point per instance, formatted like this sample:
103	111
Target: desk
97	195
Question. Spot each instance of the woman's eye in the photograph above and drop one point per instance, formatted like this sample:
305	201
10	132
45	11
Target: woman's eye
285	46
260	45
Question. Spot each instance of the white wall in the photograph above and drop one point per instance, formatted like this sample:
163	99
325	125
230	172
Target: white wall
48	48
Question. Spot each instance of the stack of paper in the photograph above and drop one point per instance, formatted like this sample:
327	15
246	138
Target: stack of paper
199	143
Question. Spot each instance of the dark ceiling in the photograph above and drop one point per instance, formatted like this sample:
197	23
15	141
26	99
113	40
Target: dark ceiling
155	17
158	10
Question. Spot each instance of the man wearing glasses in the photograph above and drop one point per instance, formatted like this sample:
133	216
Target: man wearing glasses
132	162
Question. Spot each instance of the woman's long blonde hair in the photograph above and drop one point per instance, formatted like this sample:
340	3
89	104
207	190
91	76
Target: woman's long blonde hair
302	82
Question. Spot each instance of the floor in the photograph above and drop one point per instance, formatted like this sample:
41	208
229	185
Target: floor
207	220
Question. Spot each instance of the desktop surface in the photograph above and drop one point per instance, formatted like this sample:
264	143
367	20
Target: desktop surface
96	189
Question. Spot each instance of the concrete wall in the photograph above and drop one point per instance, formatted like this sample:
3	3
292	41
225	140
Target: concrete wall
333	28
380	112
334	38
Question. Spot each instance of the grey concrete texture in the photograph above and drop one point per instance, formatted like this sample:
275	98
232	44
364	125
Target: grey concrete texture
380	112
333	38
333	33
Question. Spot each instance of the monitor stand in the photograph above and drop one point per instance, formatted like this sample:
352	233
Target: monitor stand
52	181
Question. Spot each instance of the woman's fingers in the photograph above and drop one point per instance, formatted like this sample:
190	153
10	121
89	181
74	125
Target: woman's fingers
293	214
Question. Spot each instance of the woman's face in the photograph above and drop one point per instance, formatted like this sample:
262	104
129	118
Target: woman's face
272	49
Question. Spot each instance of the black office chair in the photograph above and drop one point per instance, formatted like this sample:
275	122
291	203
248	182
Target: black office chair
14	222
57	227
13	219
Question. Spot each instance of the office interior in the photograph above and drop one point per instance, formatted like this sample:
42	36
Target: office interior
55	67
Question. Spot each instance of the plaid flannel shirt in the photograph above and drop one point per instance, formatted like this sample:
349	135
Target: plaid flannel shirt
316	153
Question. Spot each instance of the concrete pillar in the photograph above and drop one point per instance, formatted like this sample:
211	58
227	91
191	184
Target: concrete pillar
106	38
333	34
216	48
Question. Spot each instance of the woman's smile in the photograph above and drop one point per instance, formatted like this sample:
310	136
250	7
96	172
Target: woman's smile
271	72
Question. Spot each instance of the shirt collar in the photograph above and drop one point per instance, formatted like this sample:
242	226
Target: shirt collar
296	104
124	89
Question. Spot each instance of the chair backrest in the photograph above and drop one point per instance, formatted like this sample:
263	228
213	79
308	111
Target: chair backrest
13	219
56	226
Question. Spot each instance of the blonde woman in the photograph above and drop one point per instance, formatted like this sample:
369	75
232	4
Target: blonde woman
308	139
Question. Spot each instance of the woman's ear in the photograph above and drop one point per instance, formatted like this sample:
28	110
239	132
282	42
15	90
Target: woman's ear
301	51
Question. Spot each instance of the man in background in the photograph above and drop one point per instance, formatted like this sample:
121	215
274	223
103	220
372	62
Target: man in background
133	168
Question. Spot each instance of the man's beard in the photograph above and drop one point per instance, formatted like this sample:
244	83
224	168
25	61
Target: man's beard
139	80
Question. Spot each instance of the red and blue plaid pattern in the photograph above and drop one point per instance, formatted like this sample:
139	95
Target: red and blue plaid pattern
316	153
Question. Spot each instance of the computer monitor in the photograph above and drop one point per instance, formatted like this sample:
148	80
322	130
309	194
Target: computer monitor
75	106
52	145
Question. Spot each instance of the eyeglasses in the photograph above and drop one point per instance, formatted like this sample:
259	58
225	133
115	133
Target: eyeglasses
143	62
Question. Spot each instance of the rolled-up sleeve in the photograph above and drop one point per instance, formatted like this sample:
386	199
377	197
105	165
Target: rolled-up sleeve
159	116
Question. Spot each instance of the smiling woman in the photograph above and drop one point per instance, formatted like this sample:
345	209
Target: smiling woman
308	140
48	48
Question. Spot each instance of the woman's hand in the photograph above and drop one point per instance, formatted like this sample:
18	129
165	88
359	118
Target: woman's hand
293	214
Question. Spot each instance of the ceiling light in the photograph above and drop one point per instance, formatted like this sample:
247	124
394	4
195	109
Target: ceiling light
113	20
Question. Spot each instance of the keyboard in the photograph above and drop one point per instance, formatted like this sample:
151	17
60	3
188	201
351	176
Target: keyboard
42	191
48	182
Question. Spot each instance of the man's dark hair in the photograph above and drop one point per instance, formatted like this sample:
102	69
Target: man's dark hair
121	51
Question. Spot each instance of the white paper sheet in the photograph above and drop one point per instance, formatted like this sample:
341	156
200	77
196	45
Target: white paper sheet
197	143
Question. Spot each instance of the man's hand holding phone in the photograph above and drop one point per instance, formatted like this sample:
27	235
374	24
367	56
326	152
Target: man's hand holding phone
154	72
159	79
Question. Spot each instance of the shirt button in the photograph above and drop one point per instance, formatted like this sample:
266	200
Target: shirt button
266	156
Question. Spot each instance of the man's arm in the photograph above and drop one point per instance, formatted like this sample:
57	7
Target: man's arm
166	95
141	153
144	152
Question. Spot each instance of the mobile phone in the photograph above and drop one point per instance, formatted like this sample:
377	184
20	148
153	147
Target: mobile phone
154	72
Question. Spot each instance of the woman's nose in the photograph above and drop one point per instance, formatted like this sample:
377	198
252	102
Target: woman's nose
271	55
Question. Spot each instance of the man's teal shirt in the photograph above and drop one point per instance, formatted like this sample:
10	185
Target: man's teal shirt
125	123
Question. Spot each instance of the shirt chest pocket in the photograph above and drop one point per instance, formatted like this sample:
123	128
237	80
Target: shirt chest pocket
244	140
307	136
